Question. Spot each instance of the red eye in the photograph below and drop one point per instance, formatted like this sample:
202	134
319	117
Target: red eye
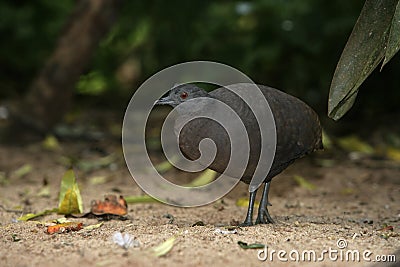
184	95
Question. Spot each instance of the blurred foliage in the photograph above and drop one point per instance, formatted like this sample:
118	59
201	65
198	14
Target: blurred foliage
290	45
28	30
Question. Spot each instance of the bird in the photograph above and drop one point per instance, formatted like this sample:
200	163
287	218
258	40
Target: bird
298	133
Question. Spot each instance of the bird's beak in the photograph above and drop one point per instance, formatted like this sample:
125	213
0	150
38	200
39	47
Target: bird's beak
164	101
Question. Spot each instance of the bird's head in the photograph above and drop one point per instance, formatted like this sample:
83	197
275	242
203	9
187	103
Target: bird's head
180	94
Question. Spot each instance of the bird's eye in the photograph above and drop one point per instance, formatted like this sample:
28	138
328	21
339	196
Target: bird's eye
184	95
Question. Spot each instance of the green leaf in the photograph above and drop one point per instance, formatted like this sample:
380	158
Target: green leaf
51	143
44	191
393	153
326	140
93	226
244	202
354	144
364	50
164	247
304	183
89	165
23	170
166	165
205	178
393	44
140	199
61	220
163	166
31	216
3	178
97	180
70	200
244	245
92	83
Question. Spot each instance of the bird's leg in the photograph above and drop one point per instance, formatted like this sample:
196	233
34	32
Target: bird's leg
249	217
263	214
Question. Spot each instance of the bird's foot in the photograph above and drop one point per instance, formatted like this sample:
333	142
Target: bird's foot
264	217
262	220
246	223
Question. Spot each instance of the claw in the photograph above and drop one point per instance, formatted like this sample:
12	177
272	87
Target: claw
245	224
264	217
263	214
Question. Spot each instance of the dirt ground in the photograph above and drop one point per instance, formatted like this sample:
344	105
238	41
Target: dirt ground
352	202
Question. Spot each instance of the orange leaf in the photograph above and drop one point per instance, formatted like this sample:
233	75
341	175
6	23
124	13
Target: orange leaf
111	205
64	227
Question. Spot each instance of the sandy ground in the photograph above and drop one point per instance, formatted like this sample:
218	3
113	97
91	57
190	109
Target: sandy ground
352	202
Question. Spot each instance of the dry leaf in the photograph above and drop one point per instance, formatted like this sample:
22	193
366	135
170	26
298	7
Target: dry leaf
64	227
164	247
111	205
70	200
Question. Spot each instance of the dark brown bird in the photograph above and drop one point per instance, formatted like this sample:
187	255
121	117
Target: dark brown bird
298	133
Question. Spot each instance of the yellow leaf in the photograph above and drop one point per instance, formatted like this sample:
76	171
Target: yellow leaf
163	166
347	191
93	226
30	216
89	165
140	199
69	204
244	202
353	143
61	220
51	143
304	183
96	180
204	178
70	200
44	191
23	170
166	165
393	153
3	178
164	247
326	140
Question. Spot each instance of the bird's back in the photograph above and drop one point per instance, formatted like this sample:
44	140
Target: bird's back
298	131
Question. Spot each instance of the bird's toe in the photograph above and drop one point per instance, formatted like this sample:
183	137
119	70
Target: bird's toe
246	223
264	218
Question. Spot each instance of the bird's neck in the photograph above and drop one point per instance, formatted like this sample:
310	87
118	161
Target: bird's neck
194	108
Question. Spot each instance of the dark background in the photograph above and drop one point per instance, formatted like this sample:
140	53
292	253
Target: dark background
290	45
